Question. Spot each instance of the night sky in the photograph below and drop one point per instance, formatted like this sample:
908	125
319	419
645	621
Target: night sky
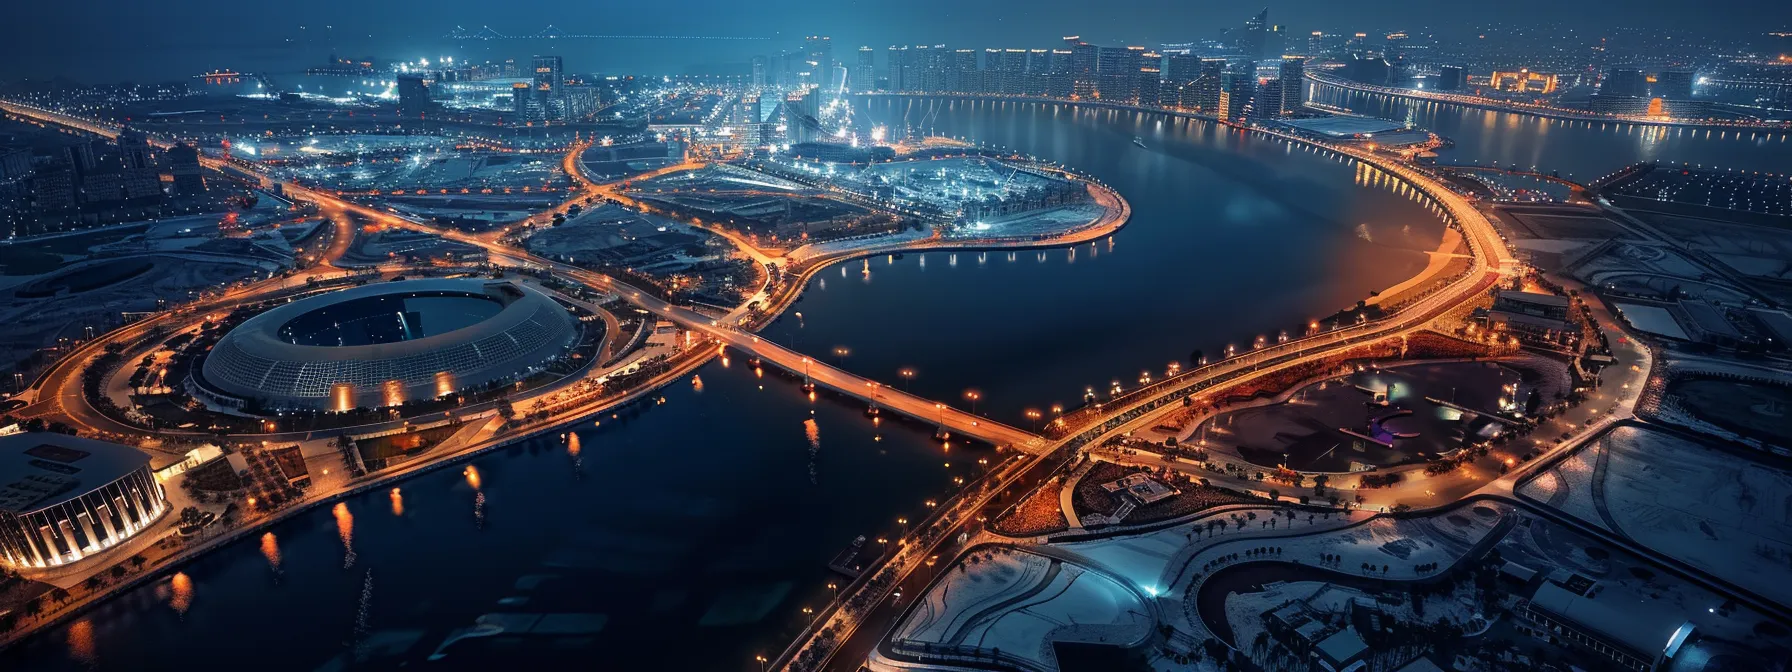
113	40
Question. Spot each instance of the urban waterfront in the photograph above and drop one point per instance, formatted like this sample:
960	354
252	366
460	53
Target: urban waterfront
648	523
1578	150
697	529
1212	208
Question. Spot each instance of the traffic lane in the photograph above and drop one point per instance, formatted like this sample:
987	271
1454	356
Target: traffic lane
877	624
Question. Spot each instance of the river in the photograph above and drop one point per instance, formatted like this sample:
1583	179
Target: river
699	528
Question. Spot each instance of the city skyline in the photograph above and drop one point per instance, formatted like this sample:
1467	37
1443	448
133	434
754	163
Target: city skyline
178	46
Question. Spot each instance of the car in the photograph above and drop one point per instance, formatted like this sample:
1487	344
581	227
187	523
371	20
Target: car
1566	435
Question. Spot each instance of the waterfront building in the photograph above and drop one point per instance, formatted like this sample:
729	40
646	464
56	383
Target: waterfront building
1268	102
1236	92
384	344
1294	85
864	76
1449	78
1525	80
1624	82
1673	85
64	498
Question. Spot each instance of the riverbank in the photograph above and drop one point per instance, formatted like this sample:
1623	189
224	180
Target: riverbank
1544	112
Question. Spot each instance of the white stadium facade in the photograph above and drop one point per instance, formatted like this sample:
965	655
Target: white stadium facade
384	344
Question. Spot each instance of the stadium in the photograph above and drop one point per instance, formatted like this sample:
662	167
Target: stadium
64	498
384	344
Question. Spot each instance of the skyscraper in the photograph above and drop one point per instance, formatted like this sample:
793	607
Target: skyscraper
965	76
864	77
1294	85
1255	37
1060	82
549	82
760	64
893	68
1149	89
1083	59
1236	91
820	49
1268	102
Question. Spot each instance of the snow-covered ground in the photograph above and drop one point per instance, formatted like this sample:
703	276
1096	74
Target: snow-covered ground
1722	513
1568	487
1020	602
1651	319
1036	223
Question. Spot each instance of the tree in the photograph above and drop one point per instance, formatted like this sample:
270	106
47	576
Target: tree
505	410
191	516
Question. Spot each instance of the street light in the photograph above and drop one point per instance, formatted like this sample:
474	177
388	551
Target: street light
1033	414
908	375
973	395
761	659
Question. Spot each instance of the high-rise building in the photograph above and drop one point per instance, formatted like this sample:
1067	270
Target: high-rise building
1294	85
864	77
1117	73
1012	70
134	150
1039	68
965	76
183	166
1083	59
896	64
1236	91
1449	78
1628	82
80	157
1060	83
820	50
413	95
1184	69
1673	85
56	189
1149	89
549	85
760	65
1316	44
549	73
1268	102
15	163
1255	37
522	100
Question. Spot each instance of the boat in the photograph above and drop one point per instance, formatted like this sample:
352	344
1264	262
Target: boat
1138	141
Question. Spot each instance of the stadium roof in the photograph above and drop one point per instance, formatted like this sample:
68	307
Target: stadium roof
39	470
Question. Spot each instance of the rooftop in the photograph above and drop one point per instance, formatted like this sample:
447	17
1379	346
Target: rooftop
1535	298
1620	617
42	469
1344	127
